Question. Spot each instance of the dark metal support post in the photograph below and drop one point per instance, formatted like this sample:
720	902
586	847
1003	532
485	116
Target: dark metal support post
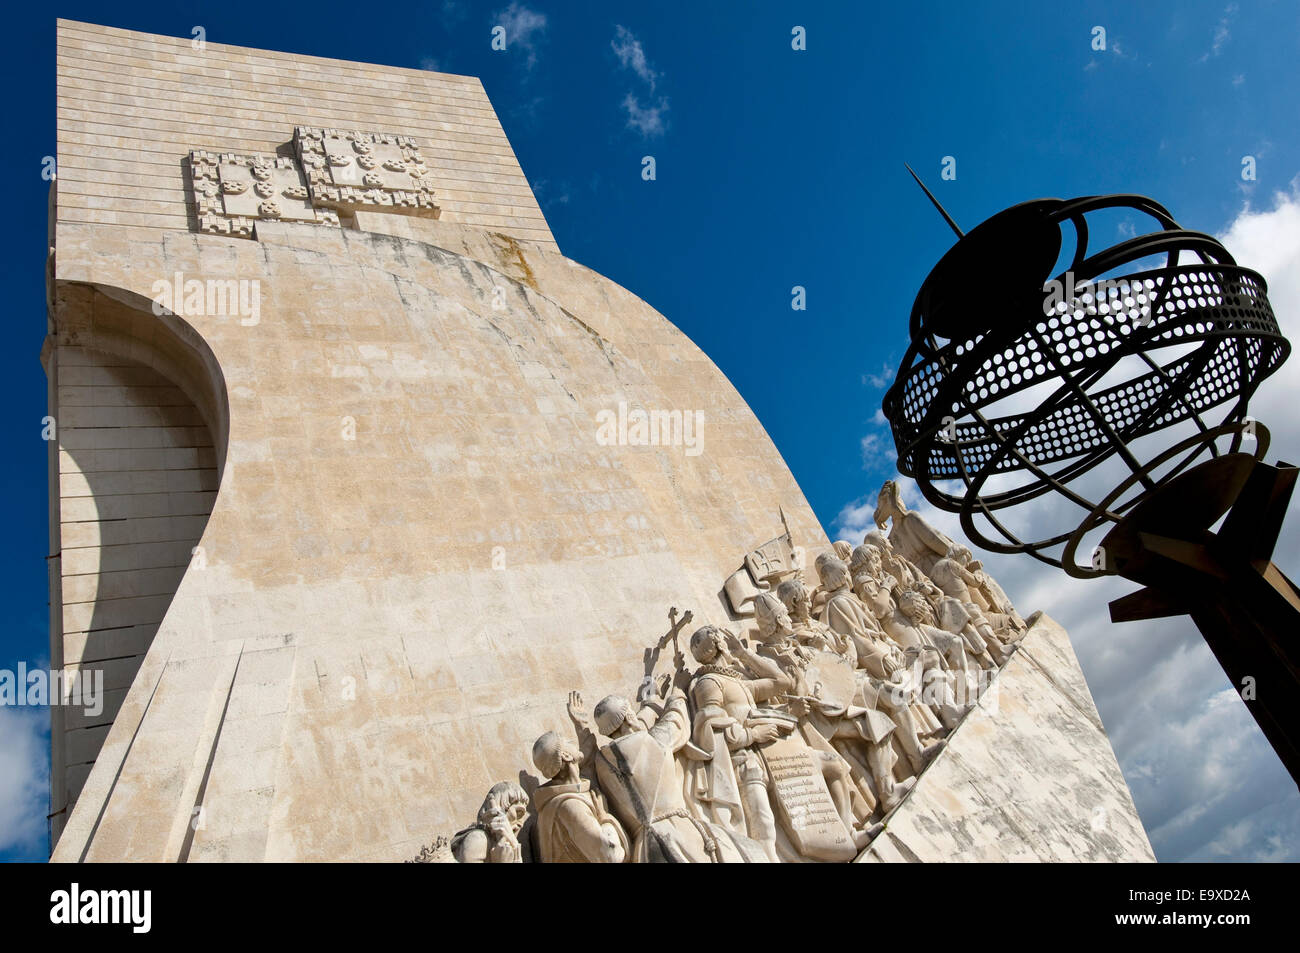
1246	608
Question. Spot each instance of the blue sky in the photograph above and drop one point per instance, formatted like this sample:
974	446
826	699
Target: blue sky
776	168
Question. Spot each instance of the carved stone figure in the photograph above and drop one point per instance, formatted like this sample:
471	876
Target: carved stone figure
841	550
869	581
889	684
495	838
828	714
913	538
732	783
780	752
844	613
999	609
900	570
957	583
808	631
832	718
936	651
439	852
638	774
777	635
963	619
898	574
811	786
573	825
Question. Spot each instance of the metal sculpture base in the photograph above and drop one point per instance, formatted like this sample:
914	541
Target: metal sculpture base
1246	608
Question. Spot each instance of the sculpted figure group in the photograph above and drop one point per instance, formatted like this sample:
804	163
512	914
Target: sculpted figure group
787	742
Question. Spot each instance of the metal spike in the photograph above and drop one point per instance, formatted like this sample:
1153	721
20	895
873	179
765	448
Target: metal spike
930	195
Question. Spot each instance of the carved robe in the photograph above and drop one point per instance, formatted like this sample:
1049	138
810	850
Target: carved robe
956	581
942	657
732	784
883	687
573	826
874	593
917	541
638	774
1010	620
815	635
953	578
846	615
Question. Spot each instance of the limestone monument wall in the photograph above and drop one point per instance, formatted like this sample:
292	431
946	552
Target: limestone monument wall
132	106
358	477
418	545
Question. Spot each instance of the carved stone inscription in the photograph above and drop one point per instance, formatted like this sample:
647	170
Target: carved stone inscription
800	795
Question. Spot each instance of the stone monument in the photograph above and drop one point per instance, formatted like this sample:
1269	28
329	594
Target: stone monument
339	509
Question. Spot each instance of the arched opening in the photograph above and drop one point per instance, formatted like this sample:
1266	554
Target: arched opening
141	420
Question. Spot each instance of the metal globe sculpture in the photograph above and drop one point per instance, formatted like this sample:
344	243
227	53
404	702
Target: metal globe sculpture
991	322
1019	383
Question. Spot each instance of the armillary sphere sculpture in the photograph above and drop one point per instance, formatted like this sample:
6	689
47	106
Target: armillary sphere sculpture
1017	383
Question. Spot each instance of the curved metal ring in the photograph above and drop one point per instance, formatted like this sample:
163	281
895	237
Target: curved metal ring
1097	517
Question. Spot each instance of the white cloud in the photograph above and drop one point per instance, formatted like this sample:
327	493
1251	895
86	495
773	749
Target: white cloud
524	30
1205	781
854	521
881	379
878	449
630	53
24	778
1267	241
647	120
647	116
1222	32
